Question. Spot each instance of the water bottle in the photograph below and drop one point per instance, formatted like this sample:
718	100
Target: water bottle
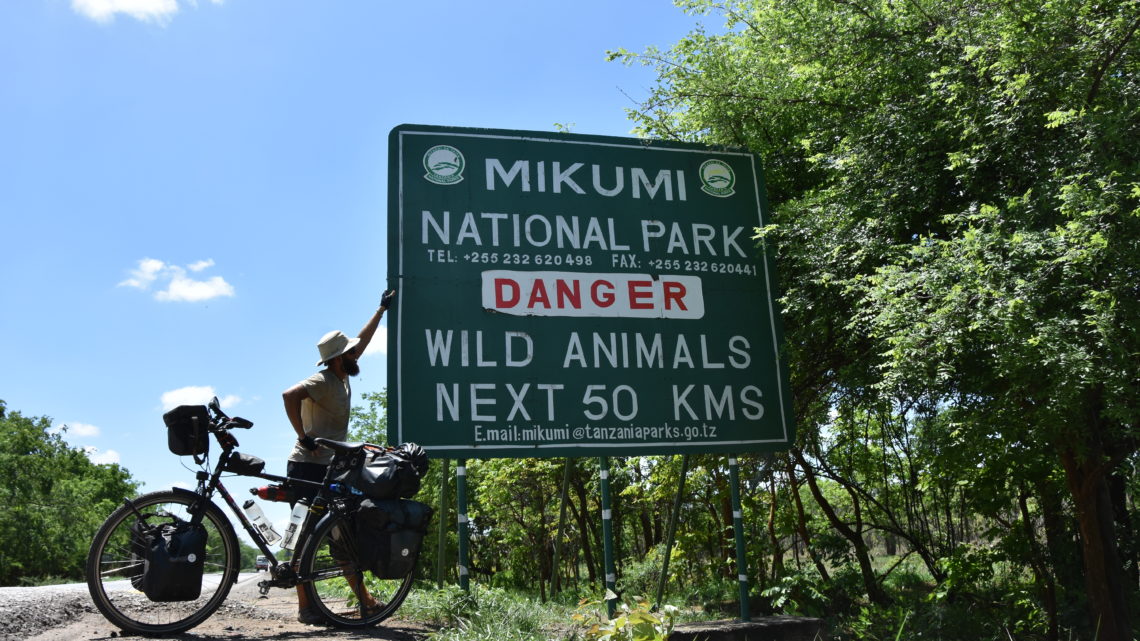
296	520
259	521
274	493
340	488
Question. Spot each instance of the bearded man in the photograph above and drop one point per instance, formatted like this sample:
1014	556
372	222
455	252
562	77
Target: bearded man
318	407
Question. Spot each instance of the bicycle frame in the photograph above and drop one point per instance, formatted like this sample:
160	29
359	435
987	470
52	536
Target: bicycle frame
209	483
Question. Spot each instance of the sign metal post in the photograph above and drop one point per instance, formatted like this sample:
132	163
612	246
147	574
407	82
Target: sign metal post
608	535
461	508
441	543
738	531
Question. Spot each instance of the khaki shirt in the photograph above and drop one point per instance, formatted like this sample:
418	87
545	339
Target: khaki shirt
324	414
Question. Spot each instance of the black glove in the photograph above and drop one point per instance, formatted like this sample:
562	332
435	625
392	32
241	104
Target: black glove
387	299
308	443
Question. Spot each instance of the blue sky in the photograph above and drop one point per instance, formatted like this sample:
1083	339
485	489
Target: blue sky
194	192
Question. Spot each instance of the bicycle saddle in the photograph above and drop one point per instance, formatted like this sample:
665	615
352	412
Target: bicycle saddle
340	447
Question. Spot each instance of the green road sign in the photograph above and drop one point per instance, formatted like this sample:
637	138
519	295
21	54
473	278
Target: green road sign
570	295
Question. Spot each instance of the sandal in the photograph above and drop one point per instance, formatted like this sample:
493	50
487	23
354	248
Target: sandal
310	616
370	610
365	611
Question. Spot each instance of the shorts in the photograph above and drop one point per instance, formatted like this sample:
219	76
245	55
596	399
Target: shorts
306	472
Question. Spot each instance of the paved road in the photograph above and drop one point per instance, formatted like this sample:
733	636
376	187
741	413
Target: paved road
66	613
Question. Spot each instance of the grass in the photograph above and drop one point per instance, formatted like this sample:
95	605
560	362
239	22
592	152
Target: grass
993	609
487	613
496	614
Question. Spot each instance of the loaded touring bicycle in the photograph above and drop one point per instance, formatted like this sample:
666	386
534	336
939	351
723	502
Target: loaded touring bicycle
163	562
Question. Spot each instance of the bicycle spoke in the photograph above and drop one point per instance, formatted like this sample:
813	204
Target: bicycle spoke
339	586
115	567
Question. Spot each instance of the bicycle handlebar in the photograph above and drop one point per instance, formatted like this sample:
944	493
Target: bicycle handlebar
225	421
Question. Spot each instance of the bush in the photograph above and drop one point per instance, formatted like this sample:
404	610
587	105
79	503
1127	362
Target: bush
641	576
630	622
798	593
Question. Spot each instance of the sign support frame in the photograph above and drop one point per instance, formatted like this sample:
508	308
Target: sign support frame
441	543
608	534
461	509
738	534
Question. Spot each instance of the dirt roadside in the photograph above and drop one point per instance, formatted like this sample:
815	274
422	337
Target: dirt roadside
244	615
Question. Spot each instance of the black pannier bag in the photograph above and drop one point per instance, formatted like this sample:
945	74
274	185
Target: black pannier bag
173	559
382	473
389	534
187	429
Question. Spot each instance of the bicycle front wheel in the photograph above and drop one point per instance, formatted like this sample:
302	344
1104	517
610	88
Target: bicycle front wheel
337	583
114	565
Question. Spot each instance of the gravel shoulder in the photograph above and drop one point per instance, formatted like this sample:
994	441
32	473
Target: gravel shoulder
66	613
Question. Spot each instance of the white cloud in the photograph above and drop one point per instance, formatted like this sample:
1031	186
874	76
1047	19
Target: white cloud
82	429
156	11
189	290
379	344
179	287
195	395
160	11
101	458
147	272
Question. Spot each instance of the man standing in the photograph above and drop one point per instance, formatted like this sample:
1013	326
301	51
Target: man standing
318	407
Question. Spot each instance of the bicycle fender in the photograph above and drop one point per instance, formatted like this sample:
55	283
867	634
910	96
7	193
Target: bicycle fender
190	494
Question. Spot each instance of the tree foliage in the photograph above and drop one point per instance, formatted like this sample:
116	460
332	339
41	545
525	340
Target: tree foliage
54	498
955	189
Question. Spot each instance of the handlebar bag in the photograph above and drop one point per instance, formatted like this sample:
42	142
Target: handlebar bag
187	429
174	559
390	533
383	474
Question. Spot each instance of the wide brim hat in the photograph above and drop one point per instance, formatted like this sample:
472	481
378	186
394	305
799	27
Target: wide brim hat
334	344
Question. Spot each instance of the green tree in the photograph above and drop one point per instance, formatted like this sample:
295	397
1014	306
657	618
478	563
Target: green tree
54	500
955	188
370	422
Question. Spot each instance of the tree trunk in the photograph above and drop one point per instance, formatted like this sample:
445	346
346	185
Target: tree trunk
544	562
646	530
1117	490
777	550
728	535
871	583
1104	575
801	523
584	528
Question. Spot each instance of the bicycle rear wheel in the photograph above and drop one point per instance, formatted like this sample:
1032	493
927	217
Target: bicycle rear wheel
112	564
341	588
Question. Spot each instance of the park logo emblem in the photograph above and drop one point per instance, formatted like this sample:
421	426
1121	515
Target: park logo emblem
444	165
717	178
